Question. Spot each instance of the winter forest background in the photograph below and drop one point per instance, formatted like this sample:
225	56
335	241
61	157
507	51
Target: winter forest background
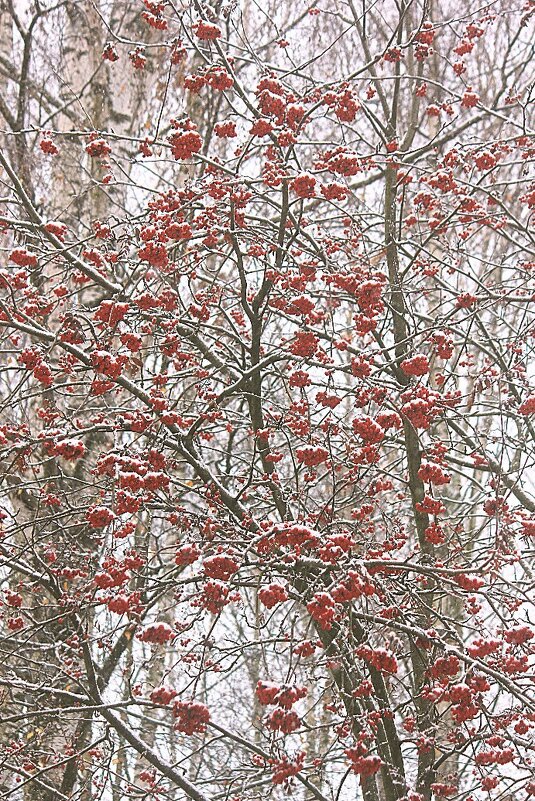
266	320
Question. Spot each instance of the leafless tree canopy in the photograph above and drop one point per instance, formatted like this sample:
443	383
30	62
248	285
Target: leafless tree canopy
267	517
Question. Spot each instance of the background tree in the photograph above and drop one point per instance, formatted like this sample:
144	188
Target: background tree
267	416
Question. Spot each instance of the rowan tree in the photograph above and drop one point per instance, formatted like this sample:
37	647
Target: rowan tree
267	401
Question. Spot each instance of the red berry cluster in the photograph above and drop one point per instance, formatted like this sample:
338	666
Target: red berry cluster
186	141
187	554
111	313
163	695
323	609
283	720
283	769
369	430
157	633
312	456
99	517
23	257
191	717
106	363
97	147
304	344
272	594
220	566
304	185
433	474
364	766
417	365
70	449
206	31
379	658
283	695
